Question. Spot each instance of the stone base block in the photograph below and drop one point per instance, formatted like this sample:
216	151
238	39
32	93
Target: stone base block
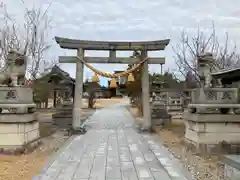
213	133
223	147
213	118
21	132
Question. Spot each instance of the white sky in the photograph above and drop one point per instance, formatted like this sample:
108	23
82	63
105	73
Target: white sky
133	20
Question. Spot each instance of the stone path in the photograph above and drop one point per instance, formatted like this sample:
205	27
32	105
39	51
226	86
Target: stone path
232	166
113	150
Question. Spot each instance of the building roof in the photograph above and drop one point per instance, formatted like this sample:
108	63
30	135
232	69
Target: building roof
59	73
227	75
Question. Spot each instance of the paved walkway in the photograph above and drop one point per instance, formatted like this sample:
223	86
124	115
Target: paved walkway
113	150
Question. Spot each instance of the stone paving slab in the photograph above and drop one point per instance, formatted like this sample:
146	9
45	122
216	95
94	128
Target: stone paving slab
232	166
113	150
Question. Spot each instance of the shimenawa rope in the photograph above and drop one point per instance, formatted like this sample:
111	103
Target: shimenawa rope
109	75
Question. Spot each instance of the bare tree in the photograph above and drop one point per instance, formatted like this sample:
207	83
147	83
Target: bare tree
9	38
189	48
36	27
31	39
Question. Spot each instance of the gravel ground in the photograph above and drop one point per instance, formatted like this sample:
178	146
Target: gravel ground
202	166
25	166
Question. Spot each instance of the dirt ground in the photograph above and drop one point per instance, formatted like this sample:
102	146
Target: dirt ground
24	167
202	166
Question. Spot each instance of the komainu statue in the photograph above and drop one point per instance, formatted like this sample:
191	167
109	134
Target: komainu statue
14	72
14	96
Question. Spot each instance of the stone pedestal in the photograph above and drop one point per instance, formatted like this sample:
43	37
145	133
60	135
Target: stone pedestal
212	122
18	132
19	126
213	132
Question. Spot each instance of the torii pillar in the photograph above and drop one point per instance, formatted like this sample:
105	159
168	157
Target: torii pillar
145	93
78	91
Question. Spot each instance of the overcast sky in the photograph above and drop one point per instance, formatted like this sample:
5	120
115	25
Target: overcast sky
133	20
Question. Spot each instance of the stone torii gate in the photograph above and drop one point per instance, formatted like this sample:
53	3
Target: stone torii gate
112	47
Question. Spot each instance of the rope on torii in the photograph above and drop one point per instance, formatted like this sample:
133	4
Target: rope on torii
113	83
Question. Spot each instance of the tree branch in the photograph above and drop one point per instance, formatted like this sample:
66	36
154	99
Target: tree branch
189	49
